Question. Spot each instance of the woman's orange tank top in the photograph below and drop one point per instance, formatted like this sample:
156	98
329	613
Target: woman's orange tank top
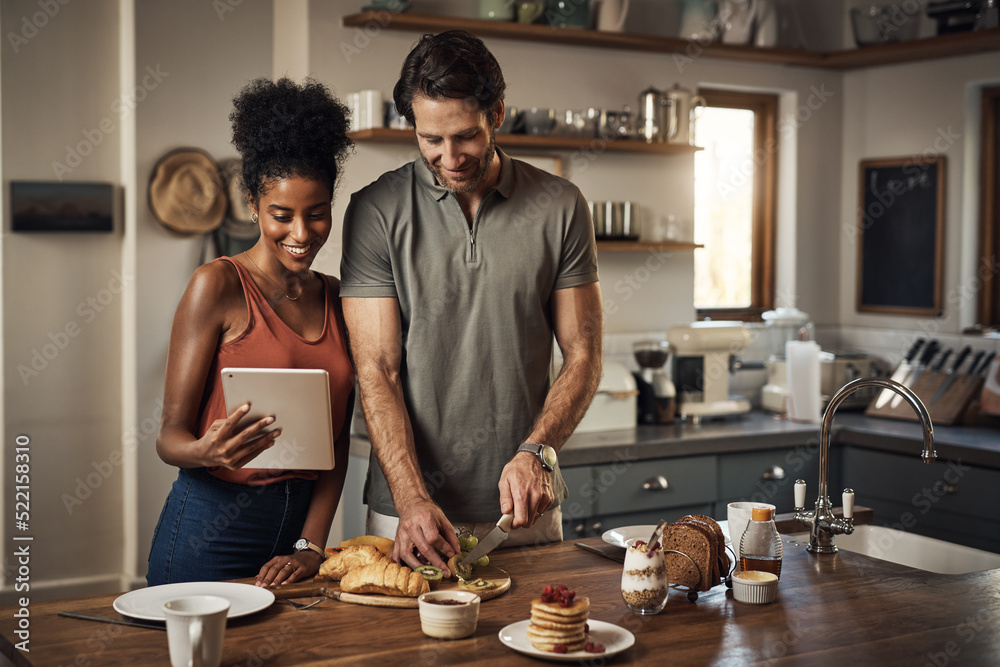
267	342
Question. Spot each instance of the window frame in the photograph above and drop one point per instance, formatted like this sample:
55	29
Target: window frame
762	284
989	209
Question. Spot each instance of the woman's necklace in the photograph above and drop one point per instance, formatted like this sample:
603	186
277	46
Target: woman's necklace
290	298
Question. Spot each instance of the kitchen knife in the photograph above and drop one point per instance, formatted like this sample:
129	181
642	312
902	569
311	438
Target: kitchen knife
135	623
952	374
616	555
983	367
493	539
901	372
925	360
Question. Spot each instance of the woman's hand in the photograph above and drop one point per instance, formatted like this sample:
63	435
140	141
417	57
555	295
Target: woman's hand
289	569
227	445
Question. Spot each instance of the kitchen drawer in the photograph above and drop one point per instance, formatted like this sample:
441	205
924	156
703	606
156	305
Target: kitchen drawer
947	487
595	526
579	503
619	487
769	477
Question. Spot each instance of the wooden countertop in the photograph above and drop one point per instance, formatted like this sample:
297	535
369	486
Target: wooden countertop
831	610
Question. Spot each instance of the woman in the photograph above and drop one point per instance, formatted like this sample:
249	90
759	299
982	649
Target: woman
262	308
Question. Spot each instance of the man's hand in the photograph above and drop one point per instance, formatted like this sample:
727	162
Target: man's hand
525	489
422	525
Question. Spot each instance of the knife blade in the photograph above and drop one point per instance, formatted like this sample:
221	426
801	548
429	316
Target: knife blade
952	374
493	539
135	623
925	359
617	555
901	372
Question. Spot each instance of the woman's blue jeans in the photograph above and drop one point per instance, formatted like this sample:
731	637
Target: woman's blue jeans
212	530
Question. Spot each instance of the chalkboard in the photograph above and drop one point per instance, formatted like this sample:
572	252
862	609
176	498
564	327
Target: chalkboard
901	236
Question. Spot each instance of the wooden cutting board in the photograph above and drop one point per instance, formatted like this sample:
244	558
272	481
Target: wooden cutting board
490	573
305	589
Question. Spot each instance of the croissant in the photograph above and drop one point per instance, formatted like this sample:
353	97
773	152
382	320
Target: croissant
349	558
385	578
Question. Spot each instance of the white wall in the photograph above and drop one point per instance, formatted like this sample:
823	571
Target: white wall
65	79
62	295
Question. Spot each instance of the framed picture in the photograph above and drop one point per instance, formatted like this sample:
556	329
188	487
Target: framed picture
900	236
42	206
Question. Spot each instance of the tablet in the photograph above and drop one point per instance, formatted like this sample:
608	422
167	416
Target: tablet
299	401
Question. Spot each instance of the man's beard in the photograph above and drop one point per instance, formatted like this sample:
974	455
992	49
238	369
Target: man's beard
472	182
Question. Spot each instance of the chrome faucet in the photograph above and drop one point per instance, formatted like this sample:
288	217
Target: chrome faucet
823	525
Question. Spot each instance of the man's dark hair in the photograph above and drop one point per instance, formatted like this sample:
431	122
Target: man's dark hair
282	129
453	65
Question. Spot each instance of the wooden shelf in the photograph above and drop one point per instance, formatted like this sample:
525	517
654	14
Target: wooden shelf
642	246
945	46
525	141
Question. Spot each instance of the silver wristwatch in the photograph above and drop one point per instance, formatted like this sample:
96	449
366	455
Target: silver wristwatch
546	454
302	544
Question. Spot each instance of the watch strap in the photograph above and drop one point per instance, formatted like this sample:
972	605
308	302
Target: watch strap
536	449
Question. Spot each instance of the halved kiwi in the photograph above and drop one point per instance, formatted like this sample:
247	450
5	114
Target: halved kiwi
432	574
458	568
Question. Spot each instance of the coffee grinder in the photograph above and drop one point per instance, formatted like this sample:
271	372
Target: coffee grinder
705	354
657	398
783	325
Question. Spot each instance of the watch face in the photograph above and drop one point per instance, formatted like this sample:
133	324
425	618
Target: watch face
548	455
301	544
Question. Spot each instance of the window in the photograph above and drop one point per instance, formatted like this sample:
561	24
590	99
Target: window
734	210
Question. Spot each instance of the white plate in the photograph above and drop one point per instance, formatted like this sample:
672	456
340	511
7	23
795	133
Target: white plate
619	536
147	603
614	638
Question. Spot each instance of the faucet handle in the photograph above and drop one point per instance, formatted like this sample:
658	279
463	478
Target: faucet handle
800	493
848	502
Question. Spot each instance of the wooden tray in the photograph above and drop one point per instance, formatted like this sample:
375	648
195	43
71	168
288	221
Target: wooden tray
489	573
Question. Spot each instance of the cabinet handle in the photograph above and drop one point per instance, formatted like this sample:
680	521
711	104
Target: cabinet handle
580	530
597	527
658	483
777	473
945	488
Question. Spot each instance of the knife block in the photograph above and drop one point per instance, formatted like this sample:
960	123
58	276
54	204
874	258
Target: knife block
946	410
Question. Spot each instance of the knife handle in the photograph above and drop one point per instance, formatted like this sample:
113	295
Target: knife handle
505	521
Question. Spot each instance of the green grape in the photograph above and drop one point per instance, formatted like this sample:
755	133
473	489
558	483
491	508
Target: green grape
482	562
464	543
472	541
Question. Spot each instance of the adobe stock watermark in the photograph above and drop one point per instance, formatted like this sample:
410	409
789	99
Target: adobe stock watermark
120	107
58	341
363	35
31	24
102	470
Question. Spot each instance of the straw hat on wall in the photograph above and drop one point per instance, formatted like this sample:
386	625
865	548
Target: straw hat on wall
186	192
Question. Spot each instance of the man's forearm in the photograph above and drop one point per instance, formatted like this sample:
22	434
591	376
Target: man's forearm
568	400
391	435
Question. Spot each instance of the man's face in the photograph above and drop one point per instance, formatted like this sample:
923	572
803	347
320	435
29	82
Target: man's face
457	142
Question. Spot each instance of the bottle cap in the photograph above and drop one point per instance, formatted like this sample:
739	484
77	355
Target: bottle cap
760	513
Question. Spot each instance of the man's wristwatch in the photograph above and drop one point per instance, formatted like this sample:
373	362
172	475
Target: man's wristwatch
546	455
302	544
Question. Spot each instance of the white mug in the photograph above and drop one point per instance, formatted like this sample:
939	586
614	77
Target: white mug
738	516
196	626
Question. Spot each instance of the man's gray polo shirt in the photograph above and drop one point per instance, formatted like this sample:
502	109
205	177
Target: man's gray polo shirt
475	308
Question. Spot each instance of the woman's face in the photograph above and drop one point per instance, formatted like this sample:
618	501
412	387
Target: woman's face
295	220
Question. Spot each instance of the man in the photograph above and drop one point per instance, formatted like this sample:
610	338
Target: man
457	271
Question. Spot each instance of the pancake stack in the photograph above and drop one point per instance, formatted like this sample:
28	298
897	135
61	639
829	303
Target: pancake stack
555	628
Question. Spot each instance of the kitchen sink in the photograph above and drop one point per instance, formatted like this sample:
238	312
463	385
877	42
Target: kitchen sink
917	551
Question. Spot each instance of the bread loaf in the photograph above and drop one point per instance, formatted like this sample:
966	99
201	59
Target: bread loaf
344	560
384	577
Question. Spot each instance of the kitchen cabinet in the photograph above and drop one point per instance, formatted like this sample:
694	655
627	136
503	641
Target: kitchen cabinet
948	500
943	46
624	493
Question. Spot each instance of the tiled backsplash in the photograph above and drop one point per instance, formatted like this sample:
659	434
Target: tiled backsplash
889	345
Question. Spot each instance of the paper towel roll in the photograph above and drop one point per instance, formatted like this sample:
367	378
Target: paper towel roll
804	398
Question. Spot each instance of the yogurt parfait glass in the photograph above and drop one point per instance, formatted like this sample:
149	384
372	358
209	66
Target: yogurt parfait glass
644	579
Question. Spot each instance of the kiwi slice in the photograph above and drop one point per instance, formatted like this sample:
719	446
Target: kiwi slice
432	574
458	568
477	585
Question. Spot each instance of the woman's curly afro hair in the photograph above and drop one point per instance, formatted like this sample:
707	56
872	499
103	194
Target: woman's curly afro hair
284	129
